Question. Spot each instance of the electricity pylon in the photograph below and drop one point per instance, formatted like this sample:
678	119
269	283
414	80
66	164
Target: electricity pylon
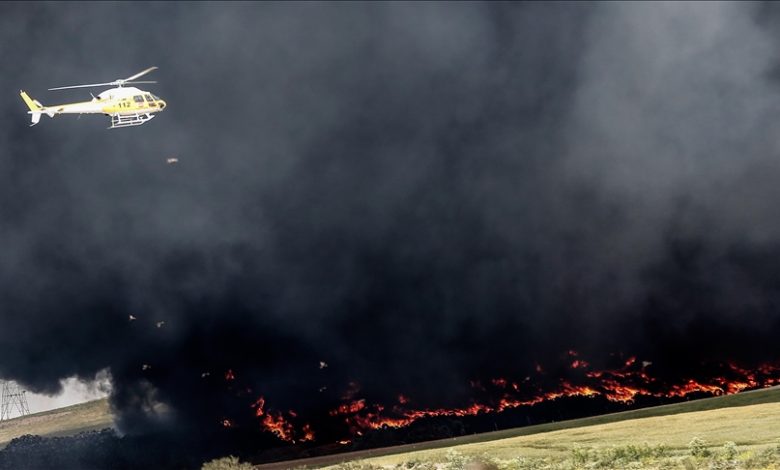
13	400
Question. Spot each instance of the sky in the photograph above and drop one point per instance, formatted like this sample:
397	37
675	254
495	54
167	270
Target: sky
73	392
418	195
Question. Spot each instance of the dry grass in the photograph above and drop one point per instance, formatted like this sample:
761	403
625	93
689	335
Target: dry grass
63	421
750	420
731	432
751	428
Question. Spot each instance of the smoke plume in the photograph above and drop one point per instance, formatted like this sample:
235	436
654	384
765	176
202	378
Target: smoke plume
402	197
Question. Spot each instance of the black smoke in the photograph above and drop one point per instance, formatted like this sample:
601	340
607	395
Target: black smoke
416	195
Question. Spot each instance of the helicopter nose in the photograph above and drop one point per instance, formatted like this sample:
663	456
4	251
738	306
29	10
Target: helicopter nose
162	105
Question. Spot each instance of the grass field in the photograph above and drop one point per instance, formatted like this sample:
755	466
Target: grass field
59	422
734	431
729	432
662	441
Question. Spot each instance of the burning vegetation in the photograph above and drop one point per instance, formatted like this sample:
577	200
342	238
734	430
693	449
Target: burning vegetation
622	385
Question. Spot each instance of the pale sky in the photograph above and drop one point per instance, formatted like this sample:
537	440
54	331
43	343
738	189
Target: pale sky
74	391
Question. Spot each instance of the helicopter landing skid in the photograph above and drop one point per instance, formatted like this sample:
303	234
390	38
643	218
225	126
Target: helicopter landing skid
127	120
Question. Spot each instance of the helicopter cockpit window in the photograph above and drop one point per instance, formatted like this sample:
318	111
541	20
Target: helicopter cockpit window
138	99
149	98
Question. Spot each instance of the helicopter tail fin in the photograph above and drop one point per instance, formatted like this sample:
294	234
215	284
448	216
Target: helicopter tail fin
34	105
36	108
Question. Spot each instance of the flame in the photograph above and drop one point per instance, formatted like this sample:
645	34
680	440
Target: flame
736	387
308	434
275	423
576	364
614	391
693	386
631	380
259	404
349	408
621	385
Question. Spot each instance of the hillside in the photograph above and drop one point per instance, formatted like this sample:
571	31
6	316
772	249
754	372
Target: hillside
60	422
753	429
751	419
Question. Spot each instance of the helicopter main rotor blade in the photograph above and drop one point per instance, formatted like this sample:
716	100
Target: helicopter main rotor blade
120	82
125	80
81	86
136	83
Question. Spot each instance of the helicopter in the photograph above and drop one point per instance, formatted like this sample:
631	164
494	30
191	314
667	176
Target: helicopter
127	106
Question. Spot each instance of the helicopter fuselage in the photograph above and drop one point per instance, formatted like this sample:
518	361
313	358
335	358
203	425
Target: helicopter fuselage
120	100
127	106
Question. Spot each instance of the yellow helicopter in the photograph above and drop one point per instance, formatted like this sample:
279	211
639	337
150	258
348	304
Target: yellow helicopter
127	106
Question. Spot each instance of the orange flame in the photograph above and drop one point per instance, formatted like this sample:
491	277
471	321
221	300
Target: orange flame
275	423
349	408
622	385
308	434
577	363
259	404
693	386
